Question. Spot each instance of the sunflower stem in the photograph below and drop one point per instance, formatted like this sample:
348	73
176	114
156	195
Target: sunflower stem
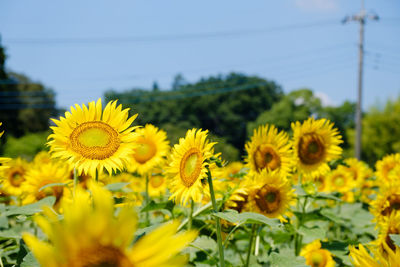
191	214
75	180
214	203
97	176
298	238
147	200
253	231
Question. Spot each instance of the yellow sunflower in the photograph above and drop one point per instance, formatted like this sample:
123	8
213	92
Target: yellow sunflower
385	166
358	169
42	157
270	194
238	199
233	169
389	226
38	176
187	169
157	184
361	258
315	144
3	161
91	139
1	133
316	256
152	148
14	176
270	150
92	235
387	201
340	180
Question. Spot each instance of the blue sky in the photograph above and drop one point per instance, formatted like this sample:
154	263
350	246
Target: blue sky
82	48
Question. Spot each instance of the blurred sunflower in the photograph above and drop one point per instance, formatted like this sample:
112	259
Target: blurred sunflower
389	226
340	180
316	256
361	258
92	235
359	170
91	139
151	150
42	157
385	166
387	201
14	175
157	183
270	194
233	169
1	133
315	143
38	176
238	199
270	150
187	169
3	161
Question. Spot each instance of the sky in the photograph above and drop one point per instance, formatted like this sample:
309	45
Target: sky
80	49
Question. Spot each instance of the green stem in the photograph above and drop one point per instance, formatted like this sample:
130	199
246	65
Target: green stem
197	212
214	203
191	214
298	238
147	200
253	231
75	180
97	176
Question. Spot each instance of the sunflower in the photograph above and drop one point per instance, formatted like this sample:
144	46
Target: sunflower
91	139
3	161
152	148
92	235
1	133
14	176
233	170
187	169
270	194
42	157
361	258
385	166
387	201
359	170
157	183
238	199
270	150
340	180
315	143
38	176
389	226
316	256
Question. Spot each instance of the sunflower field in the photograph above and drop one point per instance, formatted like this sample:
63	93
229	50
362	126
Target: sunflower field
110	192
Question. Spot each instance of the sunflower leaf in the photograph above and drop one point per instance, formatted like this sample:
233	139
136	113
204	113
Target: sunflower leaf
51	185
246	217
31	208
396	239
116	186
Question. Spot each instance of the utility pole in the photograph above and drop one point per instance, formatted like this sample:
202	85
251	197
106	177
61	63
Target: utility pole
361	18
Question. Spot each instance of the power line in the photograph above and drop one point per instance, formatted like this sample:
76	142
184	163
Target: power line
164	37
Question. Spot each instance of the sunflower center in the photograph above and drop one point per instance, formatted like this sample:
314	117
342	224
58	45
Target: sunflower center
144	151
266	157
311	149
190	166
339	181
16	178
94	140
156	181
318	259
268	199
102	257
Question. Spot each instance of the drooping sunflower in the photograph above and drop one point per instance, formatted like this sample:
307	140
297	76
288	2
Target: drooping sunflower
14	176
270	150
316	256
151	150
385	166
387	201
38	176
315	143
387	227
92	235
187	168
361	258
91	139
270	194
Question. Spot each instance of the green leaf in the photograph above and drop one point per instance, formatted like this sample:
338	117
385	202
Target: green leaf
29	261
311	233
51	185
246	217
31	208
169	205
9	234
205	243
396	239
116	186
287	260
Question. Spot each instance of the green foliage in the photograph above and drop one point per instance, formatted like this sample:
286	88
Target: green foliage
380	131
26	146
